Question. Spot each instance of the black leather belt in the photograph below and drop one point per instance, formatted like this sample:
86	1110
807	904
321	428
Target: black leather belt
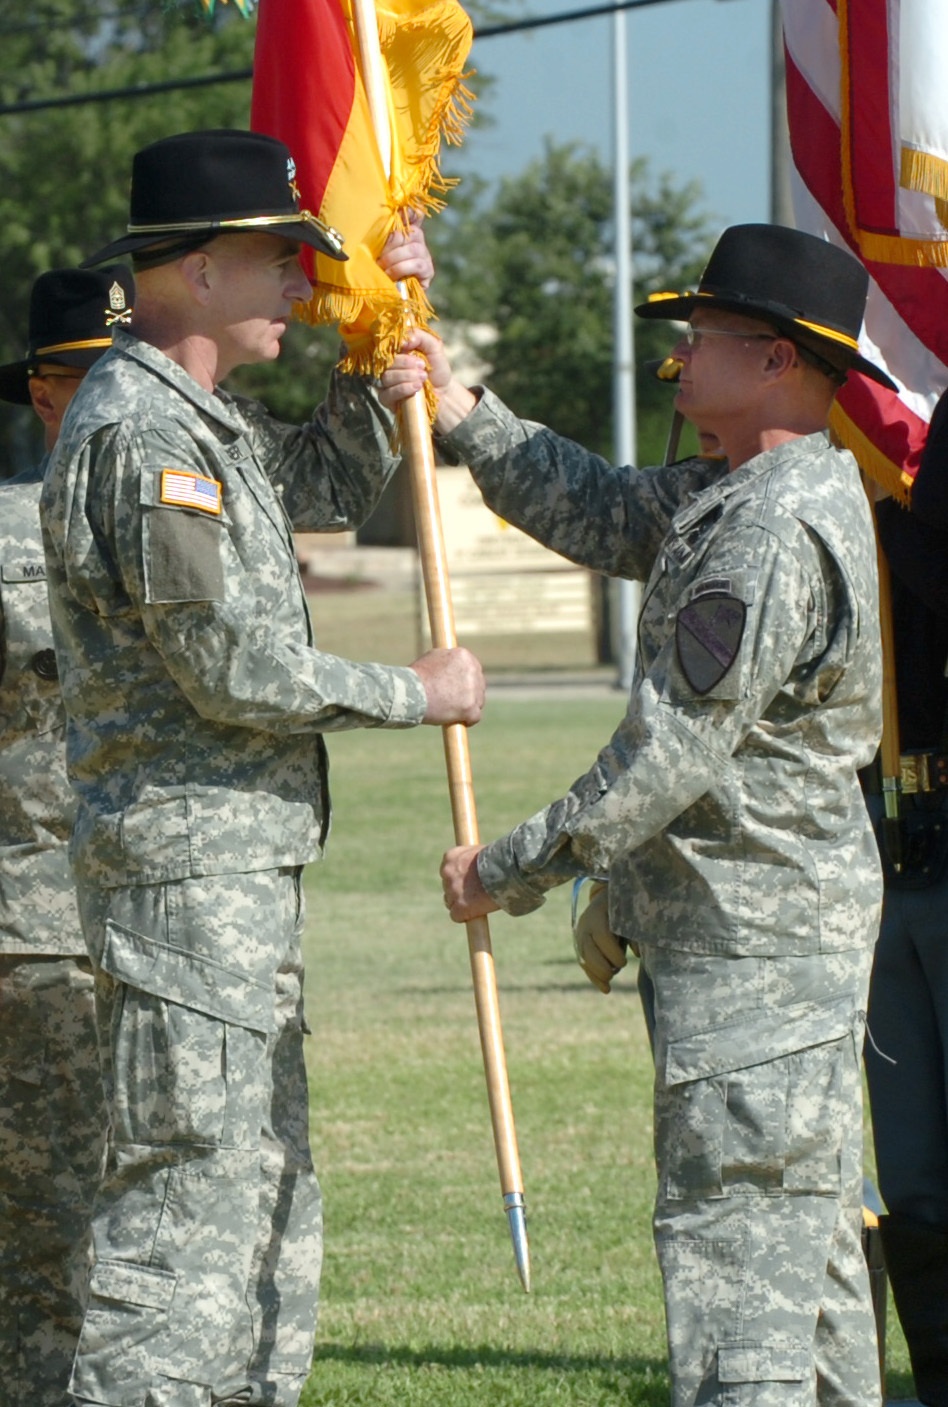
920	772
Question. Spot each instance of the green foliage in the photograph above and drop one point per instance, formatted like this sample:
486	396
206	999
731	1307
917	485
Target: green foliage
535	259
64	171
538	262
553	355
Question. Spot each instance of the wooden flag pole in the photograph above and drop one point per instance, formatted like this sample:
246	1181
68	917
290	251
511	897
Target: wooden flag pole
416	436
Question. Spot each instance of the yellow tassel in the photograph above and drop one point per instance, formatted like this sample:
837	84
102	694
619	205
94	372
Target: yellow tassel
923	171
869	457
374	319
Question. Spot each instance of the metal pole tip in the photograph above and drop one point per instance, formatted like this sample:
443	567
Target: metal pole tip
517	1221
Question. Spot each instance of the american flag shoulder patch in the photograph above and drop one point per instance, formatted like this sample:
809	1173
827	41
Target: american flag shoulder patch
188	490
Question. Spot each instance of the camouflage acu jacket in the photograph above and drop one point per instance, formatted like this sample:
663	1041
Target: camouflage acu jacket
195	693
37	903
725	808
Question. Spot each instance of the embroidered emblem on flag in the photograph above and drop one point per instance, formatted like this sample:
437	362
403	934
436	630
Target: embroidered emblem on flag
188	490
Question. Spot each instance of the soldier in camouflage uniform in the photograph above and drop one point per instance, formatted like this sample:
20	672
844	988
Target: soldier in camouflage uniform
52	1114
197	701
725	810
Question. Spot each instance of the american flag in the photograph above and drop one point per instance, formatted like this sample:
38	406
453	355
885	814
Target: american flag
190	490
867	106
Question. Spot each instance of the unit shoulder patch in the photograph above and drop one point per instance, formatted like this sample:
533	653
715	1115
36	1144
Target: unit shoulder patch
708	633
182	488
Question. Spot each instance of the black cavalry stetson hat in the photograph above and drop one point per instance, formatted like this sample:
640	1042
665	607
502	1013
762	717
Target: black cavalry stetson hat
811	290
72	315
189	188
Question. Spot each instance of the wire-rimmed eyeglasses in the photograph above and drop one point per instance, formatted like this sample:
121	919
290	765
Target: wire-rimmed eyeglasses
693	335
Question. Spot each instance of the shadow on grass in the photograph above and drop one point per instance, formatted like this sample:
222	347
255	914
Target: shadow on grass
616	1372
512	985
482	1356
568	983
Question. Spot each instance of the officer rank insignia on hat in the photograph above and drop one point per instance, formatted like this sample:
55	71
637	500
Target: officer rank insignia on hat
708	634
291	178
184	489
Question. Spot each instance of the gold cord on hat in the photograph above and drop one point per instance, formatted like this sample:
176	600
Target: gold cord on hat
72	346
831	333
248	222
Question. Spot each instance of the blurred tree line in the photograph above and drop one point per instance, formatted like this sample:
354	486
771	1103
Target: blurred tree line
531	259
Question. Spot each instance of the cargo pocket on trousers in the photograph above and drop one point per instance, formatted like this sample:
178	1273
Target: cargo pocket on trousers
818	1098
189	1037
129	1305
769	1128
755	1363
142	1285
169	1067
783	1131
168	1055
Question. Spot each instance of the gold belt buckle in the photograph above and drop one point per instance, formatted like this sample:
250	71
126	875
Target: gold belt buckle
915	774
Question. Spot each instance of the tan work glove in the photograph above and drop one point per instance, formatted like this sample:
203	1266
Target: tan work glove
599	952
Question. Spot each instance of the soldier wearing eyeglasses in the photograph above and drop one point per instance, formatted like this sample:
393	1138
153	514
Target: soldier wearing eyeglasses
725	810
52	1113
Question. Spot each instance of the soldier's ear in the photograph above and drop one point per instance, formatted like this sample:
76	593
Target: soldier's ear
197	272
42	402
781	356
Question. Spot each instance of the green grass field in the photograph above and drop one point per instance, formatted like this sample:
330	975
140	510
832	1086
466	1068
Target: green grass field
421	1302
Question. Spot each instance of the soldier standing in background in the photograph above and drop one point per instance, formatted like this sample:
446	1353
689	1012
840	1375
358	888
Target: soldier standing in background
197	703
908	995
52	1114
725	811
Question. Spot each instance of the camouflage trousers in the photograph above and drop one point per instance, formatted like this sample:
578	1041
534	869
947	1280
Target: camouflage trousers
207	1228
52	1137
758	1213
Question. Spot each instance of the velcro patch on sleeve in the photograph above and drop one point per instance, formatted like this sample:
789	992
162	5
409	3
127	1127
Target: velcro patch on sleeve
184	489
708	633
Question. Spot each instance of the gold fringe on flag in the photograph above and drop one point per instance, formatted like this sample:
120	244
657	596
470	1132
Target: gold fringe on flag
871	460
425	44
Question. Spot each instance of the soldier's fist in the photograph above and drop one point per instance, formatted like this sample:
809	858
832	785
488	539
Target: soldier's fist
599	952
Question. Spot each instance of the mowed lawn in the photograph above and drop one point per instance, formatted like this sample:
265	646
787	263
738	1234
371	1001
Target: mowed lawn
421	1303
